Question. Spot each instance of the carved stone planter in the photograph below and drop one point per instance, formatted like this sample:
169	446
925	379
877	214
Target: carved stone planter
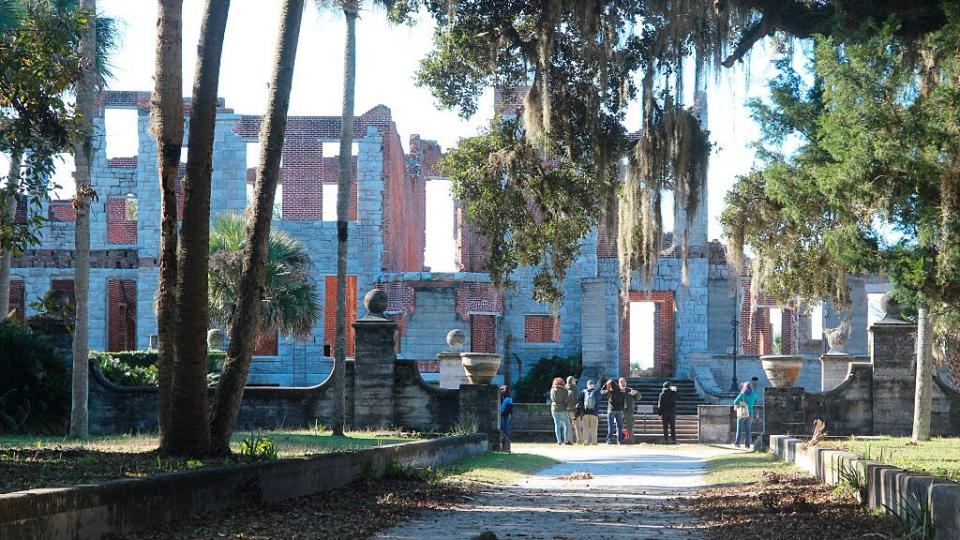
782	370
480	368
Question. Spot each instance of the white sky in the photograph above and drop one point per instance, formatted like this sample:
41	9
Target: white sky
387	58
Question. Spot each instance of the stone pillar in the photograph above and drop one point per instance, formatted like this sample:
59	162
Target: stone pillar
834	368
480	403
451	366
784	411
375	358
894	376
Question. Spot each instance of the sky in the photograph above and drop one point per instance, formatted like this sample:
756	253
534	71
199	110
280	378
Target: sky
387	58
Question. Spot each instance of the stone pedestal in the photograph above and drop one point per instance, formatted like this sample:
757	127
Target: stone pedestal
784	411
894	376
833	370
480	403
451	370
375	358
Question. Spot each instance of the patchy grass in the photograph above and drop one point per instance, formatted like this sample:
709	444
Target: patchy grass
937	457
742	467
495	468
32	462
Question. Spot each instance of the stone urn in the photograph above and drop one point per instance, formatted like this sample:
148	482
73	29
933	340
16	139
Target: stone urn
479	367
782	370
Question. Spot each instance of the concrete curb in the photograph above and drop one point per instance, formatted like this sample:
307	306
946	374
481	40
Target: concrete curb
887	486
125	506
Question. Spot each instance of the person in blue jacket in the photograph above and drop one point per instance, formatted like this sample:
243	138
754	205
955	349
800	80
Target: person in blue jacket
745	424
506	412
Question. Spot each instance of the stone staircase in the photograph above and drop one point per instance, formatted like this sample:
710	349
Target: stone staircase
647	425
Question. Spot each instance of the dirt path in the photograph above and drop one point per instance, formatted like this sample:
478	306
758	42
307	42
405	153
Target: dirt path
624	499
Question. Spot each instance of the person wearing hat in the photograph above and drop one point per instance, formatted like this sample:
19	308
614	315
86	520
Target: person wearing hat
576	425
588	403
667	409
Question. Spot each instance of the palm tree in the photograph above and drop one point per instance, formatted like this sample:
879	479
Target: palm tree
246	318
290	306
167	126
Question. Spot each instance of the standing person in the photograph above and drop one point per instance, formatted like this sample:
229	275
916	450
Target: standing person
614	410
667	409
747	398
558	408
630	397
573	396
506	412
589	402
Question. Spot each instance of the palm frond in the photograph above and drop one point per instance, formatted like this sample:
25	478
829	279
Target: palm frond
108	40
10	14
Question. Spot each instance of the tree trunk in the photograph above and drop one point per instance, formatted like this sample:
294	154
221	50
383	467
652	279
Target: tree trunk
245	326
343	208
82	157
167	125
924	391
188	432
13	180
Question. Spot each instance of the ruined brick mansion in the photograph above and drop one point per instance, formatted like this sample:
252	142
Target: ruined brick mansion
690	325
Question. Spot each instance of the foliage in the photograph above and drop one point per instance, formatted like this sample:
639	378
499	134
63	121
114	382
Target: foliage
289	306
465	425
874	185
34	382
533	387
139	368
916	519
258	446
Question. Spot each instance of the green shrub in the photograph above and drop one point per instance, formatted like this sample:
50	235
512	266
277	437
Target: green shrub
34	382
139	368
258	446
535	385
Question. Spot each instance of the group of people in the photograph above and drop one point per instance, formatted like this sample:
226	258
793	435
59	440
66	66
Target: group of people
575	412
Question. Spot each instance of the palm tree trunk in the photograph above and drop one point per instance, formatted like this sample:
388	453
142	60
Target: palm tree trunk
167	111
188	432
343	207
246	322
923	399
13	180
82	157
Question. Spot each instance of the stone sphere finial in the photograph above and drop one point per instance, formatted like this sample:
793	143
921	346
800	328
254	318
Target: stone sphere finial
376	302
890	307
455	339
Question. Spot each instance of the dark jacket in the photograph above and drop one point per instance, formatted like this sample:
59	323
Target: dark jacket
572	397
667	404
614	399
558	399
593	395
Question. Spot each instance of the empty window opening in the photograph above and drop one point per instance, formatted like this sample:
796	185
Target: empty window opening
65	286
776	330
62	184
816	322
642	335
440	251
122	133
329	195
17	300
332	149
122	220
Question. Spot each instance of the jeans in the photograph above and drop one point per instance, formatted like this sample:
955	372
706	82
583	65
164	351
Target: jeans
505	425
561	426
669	422
615	417
744	426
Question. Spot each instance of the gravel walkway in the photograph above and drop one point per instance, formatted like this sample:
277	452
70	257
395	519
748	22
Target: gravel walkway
625	498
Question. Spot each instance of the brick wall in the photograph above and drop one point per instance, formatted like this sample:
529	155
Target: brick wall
541	329
483	333
266	344
62	212
664	331
17	299
120	229
404	205
471	248
756	332
121	314
788	331
330	313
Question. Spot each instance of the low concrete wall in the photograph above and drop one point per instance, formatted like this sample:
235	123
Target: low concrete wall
887	486
125	506
718	423
531	422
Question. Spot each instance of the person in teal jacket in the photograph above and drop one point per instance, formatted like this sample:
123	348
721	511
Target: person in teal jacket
745	425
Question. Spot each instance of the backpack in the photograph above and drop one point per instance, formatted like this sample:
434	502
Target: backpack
589	399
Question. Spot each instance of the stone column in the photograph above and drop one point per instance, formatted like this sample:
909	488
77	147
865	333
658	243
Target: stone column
480	403
834	368
894	376
451	366
784	411
375	358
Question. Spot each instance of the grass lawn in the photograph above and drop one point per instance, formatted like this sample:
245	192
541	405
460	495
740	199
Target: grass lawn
30	462
936	457
742	467
495	468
